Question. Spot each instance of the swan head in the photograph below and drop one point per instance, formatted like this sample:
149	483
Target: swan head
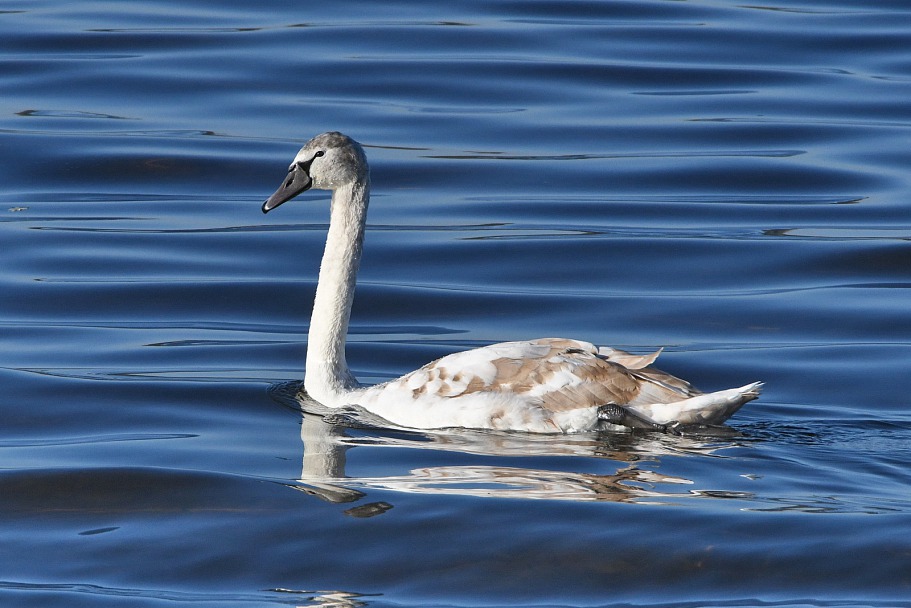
326	162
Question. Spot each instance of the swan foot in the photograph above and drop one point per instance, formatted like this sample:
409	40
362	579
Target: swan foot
615	414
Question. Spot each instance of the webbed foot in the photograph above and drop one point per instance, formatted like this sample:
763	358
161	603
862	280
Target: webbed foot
615	414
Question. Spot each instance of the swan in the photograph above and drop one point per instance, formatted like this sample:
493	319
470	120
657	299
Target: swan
547	385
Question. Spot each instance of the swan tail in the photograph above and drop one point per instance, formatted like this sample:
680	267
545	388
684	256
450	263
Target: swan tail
709	408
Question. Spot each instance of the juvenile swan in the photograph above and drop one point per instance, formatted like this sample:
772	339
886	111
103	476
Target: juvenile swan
547	385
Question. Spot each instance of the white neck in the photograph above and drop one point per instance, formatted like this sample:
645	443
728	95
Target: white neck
328	379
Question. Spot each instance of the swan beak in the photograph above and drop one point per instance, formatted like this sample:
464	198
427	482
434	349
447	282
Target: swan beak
297	181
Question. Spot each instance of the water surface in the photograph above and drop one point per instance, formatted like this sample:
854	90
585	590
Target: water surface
724	180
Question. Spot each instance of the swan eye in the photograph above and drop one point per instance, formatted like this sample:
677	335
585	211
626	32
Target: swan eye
303	165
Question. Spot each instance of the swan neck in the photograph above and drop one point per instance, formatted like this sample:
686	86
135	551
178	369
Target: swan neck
328	379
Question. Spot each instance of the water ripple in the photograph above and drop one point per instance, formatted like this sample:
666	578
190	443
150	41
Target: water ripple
727	181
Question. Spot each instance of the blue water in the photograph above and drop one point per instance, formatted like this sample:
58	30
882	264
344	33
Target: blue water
729	181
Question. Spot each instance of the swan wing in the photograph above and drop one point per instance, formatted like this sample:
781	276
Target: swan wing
555	374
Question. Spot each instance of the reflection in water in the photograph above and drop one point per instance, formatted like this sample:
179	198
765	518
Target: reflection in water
338	599
324	460
326	440
76	594
328	599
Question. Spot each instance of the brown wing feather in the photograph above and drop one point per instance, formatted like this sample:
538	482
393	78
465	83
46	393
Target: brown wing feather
563	375
556	374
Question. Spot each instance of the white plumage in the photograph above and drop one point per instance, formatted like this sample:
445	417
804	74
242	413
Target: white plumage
546	385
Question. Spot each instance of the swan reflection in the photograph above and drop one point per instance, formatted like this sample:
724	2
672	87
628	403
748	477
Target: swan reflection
632	457
327	599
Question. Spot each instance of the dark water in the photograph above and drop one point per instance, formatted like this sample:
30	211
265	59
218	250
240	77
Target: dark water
727	180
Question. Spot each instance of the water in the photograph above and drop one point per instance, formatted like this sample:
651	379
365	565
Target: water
726	180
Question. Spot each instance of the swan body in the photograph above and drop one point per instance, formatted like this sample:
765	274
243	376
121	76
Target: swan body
546	385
